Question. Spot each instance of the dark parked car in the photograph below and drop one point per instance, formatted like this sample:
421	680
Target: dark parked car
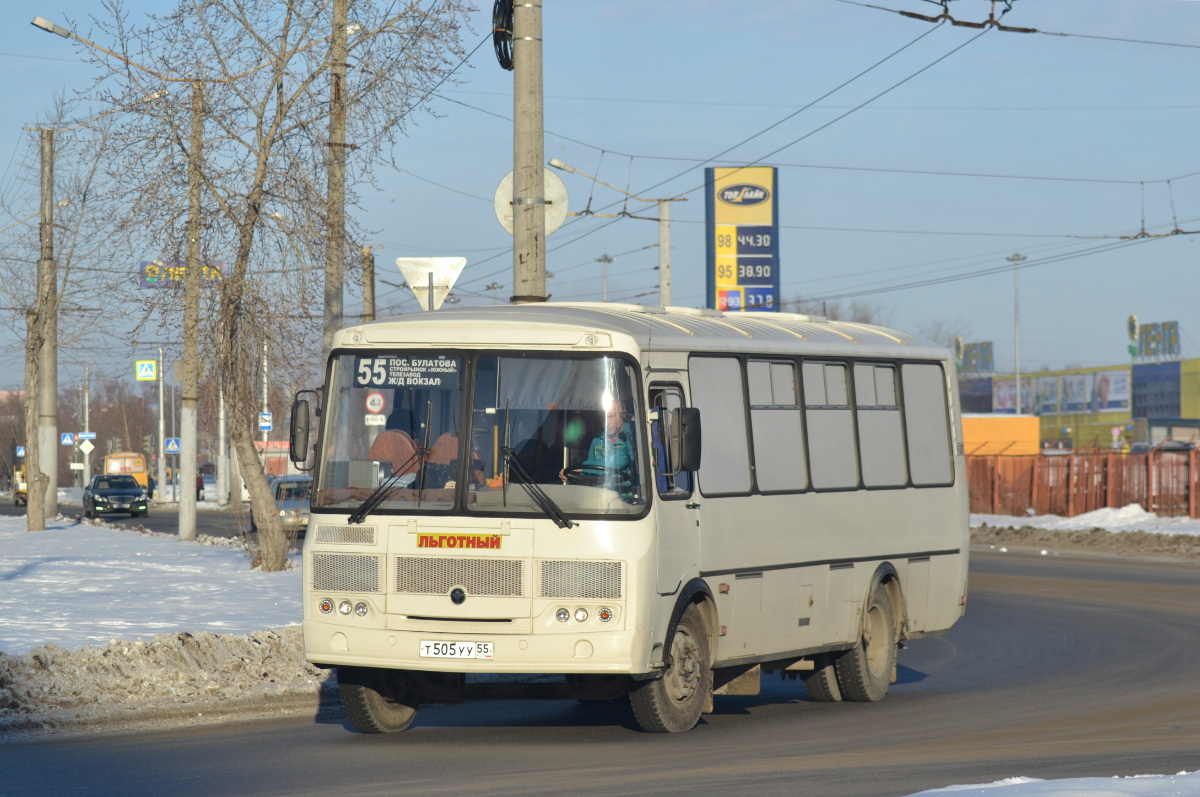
108	493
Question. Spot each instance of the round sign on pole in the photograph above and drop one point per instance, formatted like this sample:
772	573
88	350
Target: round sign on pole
556	201
374	402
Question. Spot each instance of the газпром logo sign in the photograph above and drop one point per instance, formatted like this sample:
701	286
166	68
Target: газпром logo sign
743	194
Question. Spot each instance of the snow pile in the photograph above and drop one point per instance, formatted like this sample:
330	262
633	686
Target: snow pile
173	678
1131	517
1137	786
186	618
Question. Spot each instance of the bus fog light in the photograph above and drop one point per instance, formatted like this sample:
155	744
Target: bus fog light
360	609
326	606
605	615
562	615
581	615
344	607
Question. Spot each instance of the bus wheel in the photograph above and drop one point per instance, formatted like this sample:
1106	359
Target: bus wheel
375	700
864	671
821	682
673	703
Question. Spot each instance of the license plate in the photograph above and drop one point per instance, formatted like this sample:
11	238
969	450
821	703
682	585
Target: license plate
456	650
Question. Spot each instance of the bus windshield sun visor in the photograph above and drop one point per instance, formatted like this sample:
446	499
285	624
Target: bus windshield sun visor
536	493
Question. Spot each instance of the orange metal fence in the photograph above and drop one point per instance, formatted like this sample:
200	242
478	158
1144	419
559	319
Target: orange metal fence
1164	482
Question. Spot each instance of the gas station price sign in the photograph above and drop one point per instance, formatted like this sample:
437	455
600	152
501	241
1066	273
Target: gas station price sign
743	239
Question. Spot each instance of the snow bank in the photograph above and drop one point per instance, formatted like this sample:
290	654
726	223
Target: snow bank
174	679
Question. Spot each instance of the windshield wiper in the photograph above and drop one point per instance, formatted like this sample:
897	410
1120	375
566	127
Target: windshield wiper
536	493
381	492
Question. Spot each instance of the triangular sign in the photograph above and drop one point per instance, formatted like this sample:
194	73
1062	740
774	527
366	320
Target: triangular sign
423	273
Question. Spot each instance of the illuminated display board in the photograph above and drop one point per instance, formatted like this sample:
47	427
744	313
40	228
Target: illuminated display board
742	210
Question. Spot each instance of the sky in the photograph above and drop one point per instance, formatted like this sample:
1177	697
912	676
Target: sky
94	583
909	170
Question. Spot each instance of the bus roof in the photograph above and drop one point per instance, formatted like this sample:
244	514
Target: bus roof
646	328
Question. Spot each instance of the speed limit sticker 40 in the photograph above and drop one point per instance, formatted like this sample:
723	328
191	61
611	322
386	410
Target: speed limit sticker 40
374	402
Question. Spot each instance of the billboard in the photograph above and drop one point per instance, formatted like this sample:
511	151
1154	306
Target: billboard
742	212
1158	341
162	274
977	358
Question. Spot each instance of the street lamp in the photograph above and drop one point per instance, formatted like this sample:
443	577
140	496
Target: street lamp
664	228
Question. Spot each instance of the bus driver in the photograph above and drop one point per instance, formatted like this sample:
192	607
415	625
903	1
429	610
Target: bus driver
611	458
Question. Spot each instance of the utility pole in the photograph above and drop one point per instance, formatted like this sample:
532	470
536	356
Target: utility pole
368	270
1017	259
189	448
664	252
529	192
162	432
335	208
87	422
47	312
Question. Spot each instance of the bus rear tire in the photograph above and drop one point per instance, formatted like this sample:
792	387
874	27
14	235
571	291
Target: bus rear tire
821	683
376	700
674	702
864	671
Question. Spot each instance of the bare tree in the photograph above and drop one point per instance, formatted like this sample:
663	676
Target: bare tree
58	311
264	72
945	331
858	311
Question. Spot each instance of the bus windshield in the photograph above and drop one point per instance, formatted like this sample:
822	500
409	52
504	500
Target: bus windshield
535	435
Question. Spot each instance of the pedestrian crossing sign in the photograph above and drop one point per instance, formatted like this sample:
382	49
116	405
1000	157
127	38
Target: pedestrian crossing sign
147	370
172	445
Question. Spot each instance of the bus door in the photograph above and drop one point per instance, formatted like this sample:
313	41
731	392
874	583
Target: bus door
677	514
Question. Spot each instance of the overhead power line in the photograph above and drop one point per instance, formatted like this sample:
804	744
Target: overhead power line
994	22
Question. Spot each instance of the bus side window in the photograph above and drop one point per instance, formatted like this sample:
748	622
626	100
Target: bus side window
666	399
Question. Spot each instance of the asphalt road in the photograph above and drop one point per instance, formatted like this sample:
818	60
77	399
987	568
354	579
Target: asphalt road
163	517
1061	668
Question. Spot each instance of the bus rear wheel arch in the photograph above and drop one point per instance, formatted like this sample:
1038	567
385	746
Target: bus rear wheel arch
865	671
377	700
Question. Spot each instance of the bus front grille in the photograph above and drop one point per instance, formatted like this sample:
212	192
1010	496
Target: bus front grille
342	572
346	535
423	575
575	579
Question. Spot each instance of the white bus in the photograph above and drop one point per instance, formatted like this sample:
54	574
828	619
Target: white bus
514	491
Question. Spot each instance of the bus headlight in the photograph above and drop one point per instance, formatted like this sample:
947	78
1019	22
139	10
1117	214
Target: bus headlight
360	609
344	607
562	615
581	615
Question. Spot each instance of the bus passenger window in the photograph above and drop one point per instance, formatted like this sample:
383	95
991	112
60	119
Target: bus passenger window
880	439
834	463
775	422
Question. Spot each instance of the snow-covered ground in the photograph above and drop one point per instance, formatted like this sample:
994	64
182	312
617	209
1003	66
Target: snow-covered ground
124	628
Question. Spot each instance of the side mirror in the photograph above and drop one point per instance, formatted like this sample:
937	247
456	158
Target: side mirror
298	432
689	438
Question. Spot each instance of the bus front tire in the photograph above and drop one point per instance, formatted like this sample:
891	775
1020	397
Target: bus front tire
674	702
864	671
376	700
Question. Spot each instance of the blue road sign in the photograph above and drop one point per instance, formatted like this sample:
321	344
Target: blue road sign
20	451
68	439
86	436
172	446
264	422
